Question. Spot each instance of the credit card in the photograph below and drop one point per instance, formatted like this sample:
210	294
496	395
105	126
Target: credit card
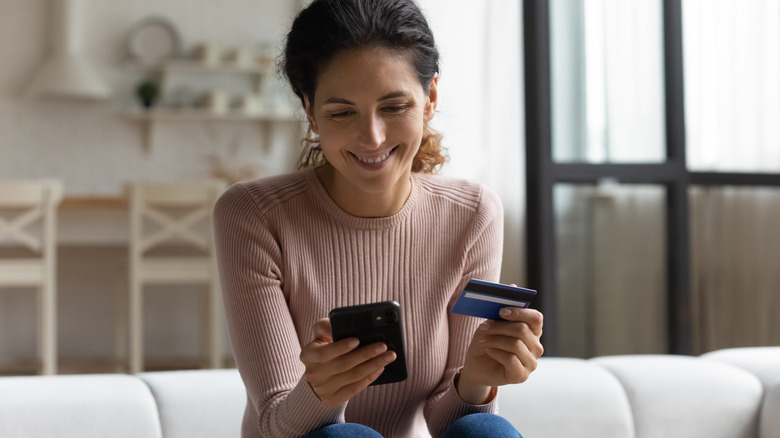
484	299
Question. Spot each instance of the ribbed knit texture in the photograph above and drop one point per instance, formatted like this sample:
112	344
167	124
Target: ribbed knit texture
288	255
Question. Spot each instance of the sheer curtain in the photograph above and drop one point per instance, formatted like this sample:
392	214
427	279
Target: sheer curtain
732	66
732	84
732	97
480	106
608	106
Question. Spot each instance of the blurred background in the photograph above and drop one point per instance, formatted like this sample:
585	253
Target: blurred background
589	118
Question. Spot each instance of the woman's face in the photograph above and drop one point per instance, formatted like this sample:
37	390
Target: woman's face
369	110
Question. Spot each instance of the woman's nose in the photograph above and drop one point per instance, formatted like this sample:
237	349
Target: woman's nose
372	131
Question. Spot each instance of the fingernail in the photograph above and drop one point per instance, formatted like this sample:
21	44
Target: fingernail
485	326
505	311
390	356
380	348
353	343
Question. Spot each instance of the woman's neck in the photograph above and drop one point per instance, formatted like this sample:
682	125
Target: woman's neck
360	203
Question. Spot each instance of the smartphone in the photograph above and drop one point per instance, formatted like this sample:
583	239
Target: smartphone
375	322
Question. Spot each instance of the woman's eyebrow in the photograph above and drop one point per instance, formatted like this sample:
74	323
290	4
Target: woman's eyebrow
337	100
392	95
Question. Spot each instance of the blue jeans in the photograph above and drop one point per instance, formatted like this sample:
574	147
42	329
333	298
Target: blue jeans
470	426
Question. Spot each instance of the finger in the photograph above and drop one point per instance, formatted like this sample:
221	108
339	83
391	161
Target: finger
324	363
532	317
515	370
524	350
524	345
358	377
318	351
365	369
343	394
509	335
322	330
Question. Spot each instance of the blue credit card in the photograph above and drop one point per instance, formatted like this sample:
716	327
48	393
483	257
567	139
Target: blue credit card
484	299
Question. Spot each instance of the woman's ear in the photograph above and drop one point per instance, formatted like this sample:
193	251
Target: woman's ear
433	96
310	114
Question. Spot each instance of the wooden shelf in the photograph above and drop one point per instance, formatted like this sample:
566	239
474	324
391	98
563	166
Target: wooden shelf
195	66
196	114
258	87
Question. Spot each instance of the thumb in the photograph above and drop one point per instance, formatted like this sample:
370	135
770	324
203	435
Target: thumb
322	330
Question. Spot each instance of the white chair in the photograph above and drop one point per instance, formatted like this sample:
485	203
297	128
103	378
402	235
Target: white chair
165	214
25	208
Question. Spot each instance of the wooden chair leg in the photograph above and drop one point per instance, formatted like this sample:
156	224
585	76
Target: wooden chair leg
136	326
121	298
47	329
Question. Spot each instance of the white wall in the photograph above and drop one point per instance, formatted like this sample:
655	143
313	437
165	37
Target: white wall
90	145
94	150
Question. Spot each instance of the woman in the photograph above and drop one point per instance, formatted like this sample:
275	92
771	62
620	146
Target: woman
366	221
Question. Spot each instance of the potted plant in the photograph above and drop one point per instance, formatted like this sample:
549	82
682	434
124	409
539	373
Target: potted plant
148	91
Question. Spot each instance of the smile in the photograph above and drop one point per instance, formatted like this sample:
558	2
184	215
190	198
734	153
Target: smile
376	160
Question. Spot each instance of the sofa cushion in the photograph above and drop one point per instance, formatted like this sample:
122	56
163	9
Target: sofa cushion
683	396
106	405
567	397
764	362
198	403
770	412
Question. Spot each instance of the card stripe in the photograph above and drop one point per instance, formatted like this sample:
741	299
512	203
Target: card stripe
495	299
504	291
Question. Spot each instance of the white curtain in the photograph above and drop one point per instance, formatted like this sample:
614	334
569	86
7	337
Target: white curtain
732	97
732	84
735	297
732	71
608	106
611	274
481	106
608	88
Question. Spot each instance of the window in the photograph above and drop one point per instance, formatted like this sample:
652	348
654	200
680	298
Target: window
620	97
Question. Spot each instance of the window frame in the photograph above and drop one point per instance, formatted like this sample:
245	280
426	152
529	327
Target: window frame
542	173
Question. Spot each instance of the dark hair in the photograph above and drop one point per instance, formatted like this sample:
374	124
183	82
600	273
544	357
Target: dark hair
327	27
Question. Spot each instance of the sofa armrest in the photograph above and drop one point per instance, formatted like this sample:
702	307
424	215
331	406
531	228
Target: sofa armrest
770	412
88	406
764	362
567	397
198	403
683	396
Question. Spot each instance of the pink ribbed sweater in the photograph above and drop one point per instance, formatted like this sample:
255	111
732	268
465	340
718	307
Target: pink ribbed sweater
288	255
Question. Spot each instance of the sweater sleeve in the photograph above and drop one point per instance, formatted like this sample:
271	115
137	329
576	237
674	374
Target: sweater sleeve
262	334
483	261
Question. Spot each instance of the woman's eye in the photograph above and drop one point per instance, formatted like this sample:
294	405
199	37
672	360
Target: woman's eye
395	108
340	114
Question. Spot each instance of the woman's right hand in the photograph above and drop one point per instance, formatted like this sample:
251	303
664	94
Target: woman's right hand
337	371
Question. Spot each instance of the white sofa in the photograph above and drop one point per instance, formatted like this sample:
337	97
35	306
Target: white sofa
733	393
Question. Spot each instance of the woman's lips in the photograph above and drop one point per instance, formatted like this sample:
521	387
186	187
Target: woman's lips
375	162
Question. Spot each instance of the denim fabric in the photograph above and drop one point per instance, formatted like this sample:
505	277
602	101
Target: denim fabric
470	426
481	426
344	430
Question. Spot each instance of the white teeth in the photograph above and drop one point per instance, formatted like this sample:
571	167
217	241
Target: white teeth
373	160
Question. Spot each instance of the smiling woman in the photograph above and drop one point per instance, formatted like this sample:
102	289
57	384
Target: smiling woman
369	112
365	220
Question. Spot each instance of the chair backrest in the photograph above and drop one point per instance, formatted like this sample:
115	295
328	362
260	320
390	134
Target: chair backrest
25	204
167	213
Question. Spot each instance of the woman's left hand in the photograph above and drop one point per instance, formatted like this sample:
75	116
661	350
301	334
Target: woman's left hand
501	352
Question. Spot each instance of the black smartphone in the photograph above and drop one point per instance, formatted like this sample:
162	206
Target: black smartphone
375	322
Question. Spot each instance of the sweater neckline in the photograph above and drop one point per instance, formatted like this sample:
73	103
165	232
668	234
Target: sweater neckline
323	198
